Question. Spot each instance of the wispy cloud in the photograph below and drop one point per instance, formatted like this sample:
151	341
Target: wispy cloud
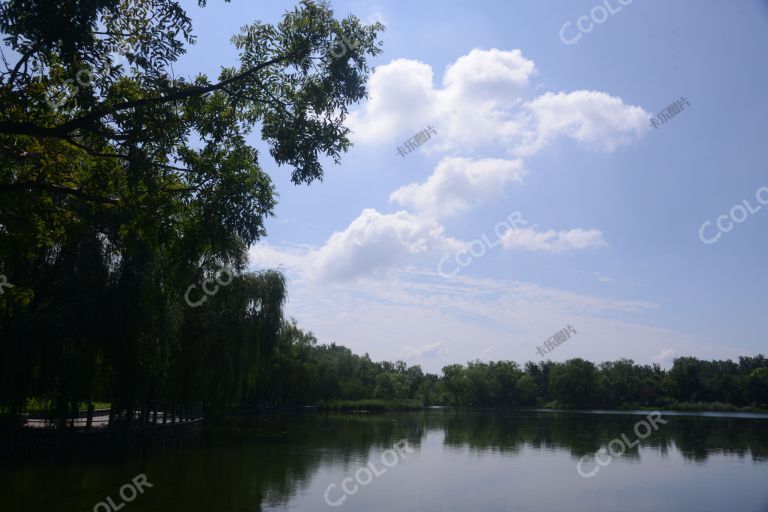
509	316
424	351
551	241
664	357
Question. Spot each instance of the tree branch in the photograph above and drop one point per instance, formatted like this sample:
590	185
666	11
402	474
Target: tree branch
63	130
22	61
92	151
48	187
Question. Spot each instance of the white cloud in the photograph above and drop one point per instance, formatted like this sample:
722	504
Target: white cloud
374	243
463	294
595	119
401	87
472	108
488	72
664	357
601	278
529	239
485	353
457	184
264	256
377	17
431	350
481	104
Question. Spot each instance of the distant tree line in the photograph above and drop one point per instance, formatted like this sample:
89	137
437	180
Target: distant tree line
303	372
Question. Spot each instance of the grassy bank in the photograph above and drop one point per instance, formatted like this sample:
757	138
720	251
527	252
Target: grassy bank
371	405
39	405
672	406
708	407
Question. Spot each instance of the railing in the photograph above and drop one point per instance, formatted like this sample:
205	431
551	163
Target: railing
152	414
101	428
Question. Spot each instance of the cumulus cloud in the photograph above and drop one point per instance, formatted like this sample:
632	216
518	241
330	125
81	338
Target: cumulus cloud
529	239
488	72
595	119
481	103
458	184
403	88
375	242
472	108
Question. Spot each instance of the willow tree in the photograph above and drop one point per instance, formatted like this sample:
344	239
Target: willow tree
227	341
122	183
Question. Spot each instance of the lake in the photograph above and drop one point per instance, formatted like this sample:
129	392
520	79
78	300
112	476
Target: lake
435	460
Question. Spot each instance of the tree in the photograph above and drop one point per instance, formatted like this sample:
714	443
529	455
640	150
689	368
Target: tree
454	380
507	374
481	388
618	383
758	386
573	383
685	378
526	389
121	185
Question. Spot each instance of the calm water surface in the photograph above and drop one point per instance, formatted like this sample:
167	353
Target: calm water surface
453	461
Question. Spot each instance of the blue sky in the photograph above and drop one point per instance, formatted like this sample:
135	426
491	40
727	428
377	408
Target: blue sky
557	132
